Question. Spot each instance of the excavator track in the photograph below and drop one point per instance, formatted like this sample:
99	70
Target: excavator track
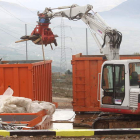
85	120
110	121
106	121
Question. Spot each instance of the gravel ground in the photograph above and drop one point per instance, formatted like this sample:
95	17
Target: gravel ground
63	102
136	137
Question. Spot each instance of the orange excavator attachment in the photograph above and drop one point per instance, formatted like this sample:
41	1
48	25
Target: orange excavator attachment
42	34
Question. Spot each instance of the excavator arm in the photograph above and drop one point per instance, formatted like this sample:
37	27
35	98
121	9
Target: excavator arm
111	38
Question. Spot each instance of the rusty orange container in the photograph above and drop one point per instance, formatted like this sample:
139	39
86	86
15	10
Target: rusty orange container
28	79
85	81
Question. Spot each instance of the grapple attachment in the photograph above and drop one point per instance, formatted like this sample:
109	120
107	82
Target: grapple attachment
42	34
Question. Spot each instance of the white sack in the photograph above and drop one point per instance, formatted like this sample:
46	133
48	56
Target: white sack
12	104
8	91
13	109
37	106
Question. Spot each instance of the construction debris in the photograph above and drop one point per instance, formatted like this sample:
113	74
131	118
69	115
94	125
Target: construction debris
12	104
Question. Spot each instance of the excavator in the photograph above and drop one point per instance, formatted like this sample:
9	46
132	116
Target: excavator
119	87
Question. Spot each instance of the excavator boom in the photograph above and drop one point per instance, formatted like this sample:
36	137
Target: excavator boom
111	38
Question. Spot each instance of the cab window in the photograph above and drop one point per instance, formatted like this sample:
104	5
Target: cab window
134	74
107	82
113	84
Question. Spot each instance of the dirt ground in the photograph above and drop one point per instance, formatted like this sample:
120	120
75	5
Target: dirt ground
136	137
63	102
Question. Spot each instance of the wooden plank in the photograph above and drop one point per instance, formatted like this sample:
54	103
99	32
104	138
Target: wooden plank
21	40
37	40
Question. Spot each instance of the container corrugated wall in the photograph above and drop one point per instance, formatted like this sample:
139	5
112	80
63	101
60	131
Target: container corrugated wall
85	81
30	80
42	81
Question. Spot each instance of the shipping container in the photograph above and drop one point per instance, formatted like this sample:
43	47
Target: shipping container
28	79
86	77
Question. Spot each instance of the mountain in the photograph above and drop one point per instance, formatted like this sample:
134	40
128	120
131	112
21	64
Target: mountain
104	5
129	9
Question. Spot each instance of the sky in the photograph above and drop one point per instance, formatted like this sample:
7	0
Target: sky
75	45
41	4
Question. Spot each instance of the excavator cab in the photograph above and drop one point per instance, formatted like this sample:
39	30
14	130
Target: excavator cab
120	86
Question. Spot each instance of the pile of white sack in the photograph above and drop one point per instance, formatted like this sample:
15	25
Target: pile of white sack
12	104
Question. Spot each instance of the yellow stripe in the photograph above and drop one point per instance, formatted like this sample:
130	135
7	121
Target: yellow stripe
4	133
75	132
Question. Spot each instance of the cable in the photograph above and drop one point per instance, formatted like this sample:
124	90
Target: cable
115	38
25	7
10	47
17	49
75	18
13	15
75	38
4	11
68	37
8	33
67	119
7	12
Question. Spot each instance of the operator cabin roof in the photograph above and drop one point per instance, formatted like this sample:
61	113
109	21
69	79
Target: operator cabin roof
122	61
